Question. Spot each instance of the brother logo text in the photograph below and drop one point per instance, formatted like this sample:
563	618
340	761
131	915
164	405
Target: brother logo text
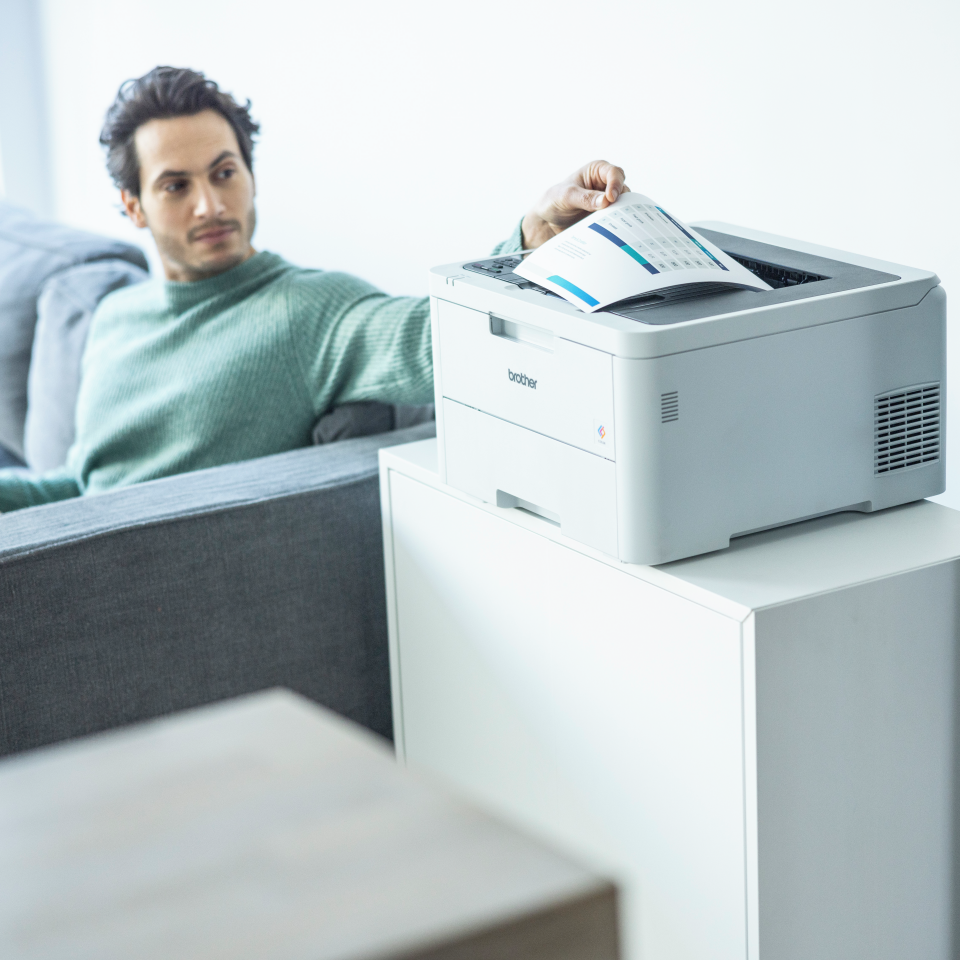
522	379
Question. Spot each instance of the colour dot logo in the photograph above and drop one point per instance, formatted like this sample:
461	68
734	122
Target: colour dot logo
602	437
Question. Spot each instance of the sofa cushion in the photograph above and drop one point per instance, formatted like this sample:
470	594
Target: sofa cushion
64	311
31	252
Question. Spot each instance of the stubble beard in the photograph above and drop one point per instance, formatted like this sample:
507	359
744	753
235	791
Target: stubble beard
189	261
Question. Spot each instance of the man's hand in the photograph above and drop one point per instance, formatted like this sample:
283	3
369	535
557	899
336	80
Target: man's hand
591	188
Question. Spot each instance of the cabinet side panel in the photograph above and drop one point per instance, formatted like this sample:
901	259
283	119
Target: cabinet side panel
855	740
751	850
438	388
583	703
386	519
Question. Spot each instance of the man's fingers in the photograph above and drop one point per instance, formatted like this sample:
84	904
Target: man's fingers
615	178
604	176
594	186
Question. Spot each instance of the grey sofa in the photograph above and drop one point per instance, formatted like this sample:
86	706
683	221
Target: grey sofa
191	589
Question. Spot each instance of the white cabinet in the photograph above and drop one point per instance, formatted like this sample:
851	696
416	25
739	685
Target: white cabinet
758	742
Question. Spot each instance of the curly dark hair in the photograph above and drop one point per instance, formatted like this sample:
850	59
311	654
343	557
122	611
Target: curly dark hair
166	92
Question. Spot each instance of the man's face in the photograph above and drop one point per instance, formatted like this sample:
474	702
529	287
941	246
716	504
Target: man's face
196	195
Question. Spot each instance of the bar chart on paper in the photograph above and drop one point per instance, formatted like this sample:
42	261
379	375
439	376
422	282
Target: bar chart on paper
654	239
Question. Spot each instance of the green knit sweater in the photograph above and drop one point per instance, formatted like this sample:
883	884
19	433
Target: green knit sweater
181	376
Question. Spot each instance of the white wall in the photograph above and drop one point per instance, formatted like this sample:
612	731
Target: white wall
25	176
396	136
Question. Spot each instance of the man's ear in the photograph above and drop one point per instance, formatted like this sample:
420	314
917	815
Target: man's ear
131	204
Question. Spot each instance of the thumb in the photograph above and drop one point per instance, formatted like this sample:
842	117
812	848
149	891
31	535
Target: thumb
579	198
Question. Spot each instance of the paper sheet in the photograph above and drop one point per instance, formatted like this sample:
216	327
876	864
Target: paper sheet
628	249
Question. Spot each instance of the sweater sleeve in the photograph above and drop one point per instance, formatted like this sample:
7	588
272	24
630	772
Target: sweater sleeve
353	342
20	488
513	243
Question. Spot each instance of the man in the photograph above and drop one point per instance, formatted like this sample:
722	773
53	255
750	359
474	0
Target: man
237	353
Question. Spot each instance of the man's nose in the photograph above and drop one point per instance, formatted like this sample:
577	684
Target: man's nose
208	203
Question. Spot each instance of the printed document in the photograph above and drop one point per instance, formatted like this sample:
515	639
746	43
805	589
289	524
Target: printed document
631	248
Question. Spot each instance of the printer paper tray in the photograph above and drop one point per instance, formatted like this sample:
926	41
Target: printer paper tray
486	456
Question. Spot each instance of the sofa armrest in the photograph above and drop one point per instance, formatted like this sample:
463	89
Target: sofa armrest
182	591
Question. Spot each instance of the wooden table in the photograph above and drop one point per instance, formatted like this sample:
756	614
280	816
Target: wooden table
267	827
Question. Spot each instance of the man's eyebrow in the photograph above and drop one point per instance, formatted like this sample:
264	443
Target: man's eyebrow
223	156
186	173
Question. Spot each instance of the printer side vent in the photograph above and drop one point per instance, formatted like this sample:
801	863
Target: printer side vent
906	428
669	406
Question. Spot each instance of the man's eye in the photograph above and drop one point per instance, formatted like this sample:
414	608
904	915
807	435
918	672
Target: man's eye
226	173
175	186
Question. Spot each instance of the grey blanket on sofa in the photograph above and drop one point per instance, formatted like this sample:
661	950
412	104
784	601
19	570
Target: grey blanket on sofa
51	279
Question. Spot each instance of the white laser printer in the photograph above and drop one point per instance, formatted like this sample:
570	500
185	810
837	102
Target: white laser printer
661	427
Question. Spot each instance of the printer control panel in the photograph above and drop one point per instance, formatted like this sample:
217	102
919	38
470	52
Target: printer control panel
501	268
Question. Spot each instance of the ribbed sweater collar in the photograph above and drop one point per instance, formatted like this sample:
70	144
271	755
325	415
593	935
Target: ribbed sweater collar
183	296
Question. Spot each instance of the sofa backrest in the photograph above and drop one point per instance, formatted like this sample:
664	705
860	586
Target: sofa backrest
32	253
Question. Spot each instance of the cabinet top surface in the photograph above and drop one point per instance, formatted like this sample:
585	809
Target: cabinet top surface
763	569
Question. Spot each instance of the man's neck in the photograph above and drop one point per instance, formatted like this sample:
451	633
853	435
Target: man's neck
185	273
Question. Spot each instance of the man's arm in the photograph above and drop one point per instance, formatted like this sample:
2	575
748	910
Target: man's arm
20	488
355	343
368	346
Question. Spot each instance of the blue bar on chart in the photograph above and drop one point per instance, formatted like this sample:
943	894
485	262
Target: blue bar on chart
625	247
574	289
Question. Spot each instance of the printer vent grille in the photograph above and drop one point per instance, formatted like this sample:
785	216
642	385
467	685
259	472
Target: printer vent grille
906	428
669	406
